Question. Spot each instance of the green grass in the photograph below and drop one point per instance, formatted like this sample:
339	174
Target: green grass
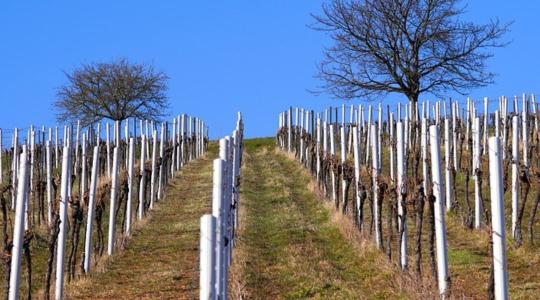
290	248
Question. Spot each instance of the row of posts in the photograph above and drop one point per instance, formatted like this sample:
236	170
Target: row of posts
178	144
218	229
311	126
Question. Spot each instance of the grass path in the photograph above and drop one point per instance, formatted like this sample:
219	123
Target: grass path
290	245
161	260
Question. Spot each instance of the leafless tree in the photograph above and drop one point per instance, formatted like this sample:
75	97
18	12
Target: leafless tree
115	90
404	46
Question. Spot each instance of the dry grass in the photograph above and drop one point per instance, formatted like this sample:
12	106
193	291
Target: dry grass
161	260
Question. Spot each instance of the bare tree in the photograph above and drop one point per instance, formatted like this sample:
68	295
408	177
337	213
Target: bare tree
116	90
404	46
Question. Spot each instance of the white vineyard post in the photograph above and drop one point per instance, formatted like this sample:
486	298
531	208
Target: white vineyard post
61	243
289	129
368	135
325	137
356	153
56	147
401	191
525	134
15	167
77	143
333	155
468	123
534	112
497	120
182	143
498	226
33	161
391	146
142	183
486	116
440	226
112	206
108	146
147	144
343	160
280	126
117	130
318	146
131	158
18	229
406	126
308	120
376	171
301	135
207	279
190	135
448	164
153	172
224	156
178	143
476	165
424	146
98	134
234	175
454	134
349	133
162	162
83	166
360	130
217	212
49	183
91	206
173	147
379	132
505	120
515	173
198	137
436	112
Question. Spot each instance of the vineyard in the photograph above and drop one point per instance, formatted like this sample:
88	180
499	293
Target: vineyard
448	194
330	149
395	202
70	204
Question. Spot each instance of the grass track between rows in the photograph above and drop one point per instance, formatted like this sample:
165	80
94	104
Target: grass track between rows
161	260
290	245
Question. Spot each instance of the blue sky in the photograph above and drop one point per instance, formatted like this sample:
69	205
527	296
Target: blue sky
257	57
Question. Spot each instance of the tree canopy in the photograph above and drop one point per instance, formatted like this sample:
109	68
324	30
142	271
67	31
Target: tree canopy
404	46
116	90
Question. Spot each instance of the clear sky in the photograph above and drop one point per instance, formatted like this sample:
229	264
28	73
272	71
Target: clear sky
257	57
